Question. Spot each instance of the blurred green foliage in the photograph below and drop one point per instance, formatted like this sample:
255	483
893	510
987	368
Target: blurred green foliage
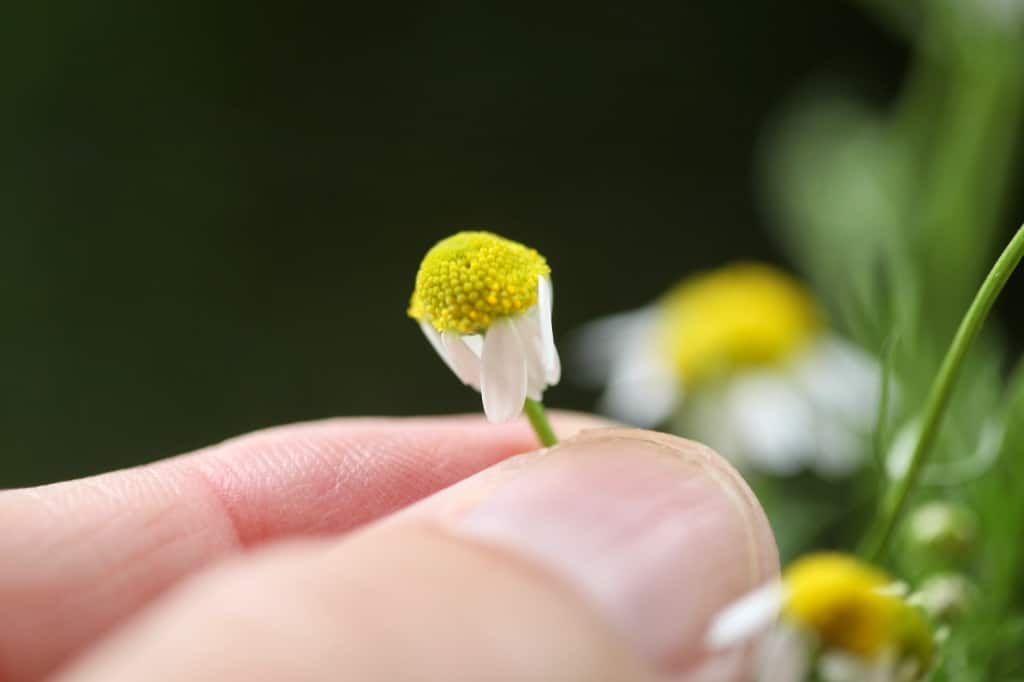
896	211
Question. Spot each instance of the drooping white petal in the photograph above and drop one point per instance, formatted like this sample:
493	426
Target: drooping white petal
528	326
772	421
747	616
504	376
464	362
545	303
434	337
553	367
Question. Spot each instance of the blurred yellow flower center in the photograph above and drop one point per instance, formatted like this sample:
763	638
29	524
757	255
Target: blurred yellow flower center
473	278
737	316
847	604
842	600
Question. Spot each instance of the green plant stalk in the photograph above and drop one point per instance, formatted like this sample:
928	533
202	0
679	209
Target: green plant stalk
938	397
960	115
884	400
539	421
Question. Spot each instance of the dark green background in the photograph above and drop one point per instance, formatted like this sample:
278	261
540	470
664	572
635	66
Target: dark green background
212	213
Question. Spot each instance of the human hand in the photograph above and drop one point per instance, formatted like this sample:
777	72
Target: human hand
301	553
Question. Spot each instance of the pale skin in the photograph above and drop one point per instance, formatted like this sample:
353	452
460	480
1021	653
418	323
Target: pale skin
385	550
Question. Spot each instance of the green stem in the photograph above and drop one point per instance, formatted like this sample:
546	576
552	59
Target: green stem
938	397
539	421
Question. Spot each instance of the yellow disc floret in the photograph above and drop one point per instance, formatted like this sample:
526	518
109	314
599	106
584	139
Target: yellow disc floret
737	316
842	600
473	278
851	606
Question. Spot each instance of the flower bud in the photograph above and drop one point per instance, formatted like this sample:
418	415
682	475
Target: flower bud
945	596
944	528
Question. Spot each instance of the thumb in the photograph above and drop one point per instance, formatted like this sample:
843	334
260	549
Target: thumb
603	558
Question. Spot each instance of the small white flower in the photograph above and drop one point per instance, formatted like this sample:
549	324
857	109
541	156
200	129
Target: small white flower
853	614
741	359
484	303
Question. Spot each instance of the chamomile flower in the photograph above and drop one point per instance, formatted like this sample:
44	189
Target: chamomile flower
742	359
834	611
484	303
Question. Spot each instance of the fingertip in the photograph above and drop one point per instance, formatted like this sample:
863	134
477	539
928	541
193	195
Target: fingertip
603	558
659	532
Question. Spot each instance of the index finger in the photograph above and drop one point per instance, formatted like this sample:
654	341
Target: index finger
83	555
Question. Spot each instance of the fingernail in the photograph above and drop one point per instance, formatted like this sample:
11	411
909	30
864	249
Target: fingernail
654	531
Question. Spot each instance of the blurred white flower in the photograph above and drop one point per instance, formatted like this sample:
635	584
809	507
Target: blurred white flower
484	304
832	616
740	358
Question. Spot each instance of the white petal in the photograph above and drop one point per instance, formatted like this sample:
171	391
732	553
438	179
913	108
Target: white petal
464	361
597	346
747	616
842	384
708	420
842	380
840	450
434	337
545	302
784	655
773	421
475	343
644	400
837	666
503	382
553	366
528	326
534	385
641	386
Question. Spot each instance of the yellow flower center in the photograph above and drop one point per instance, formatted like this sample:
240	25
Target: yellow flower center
737	316
842	600
473	278
847	604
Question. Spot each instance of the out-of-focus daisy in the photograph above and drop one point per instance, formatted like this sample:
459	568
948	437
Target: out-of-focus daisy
742	359
484	303
832	615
